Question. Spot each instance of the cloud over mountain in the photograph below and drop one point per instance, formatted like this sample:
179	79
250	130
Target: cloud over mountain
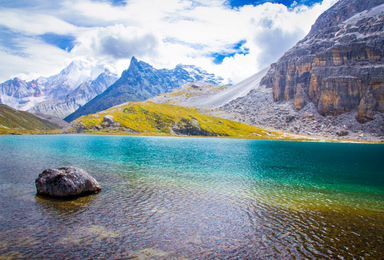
162	32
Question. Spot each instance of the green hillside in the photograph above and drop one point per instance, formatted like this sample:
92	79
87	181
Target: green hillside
14	121
150	118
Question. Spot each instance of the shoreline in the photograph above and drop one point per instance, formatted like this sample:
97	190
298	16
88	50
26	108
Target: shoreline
285	136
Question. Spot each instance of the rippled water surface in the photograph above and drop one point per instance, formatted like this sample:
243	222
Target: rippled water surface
194	198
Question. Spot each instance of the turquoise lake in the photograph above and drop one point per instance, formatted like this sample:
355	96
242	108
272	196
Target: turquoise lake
194	198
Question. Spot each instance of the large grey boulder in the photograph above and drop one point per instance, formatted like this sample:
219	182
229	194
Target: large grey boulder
66	182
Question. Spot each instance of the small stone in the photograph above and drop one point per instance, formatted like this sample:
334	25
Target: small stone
109	122
342	133
308	116
66	181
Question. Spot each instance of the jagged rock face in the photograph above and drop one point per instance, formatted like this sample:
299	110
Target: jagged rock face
339	65
140	82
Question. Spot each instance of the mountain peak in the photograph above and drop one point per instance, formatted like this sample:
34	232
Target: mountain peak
141	81
76	65
17	79
340	12
134	60
133	64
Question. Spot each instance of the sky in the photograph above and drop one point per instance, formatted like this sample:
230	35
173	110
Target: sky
231	38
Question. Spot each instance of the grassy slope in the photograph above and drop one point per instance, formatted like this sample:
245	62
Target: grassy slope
20	122
158	119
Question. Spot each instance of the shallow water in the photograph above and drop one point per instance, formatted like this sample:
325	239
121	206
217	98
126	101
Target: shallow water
195	198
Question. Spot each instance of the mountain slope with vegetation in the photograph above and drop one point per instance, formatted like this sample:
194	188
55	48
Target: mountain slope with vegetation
14	121
150	118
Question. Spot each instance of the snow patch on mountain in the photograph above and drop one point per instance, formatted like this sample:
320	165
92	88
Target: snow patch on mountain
374	13
48	94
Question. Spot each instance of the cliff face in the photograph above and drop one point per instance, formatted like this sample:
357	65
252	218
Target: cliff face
339	65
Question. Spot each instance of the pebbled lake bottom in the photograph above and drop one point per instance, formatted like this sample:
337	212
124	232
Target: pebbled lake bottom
194	198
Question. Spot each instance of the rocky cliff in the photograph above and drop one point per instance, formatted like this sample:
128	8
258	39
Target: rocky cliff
339	65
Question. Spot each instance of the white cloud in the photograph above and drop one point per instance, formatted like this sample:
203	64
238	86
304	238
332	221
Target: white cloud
116	42
163	33
34	24
33	60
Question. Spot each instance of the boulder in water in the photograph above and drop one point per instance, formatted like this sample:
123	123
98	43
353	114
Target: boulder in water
66	181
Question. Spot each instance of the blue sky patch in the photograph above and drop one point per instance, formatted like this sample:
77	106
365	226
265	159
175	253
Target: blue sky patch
64	42
9	39
119	2
195	46
288	3
237	48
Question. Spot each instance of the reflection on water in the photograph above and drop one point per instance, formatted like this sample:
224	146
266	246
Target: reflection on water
63	206
174	198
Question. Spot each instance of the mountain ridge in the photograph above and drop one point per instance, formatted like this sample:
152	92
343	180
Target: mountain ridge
46	94
140	82
86	91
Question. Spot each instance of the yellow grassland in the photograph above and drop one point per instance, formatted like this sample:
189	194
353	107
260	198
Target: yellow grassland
151	118
157	119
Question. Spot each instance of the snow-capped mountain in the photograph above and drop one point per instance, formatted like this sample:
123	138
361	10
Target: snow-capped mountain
141	81
62	107
20	94
70	78
60	94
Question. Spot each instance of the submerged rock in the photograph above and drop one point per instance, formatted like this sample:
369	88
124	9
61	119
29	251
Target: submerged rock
66	182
